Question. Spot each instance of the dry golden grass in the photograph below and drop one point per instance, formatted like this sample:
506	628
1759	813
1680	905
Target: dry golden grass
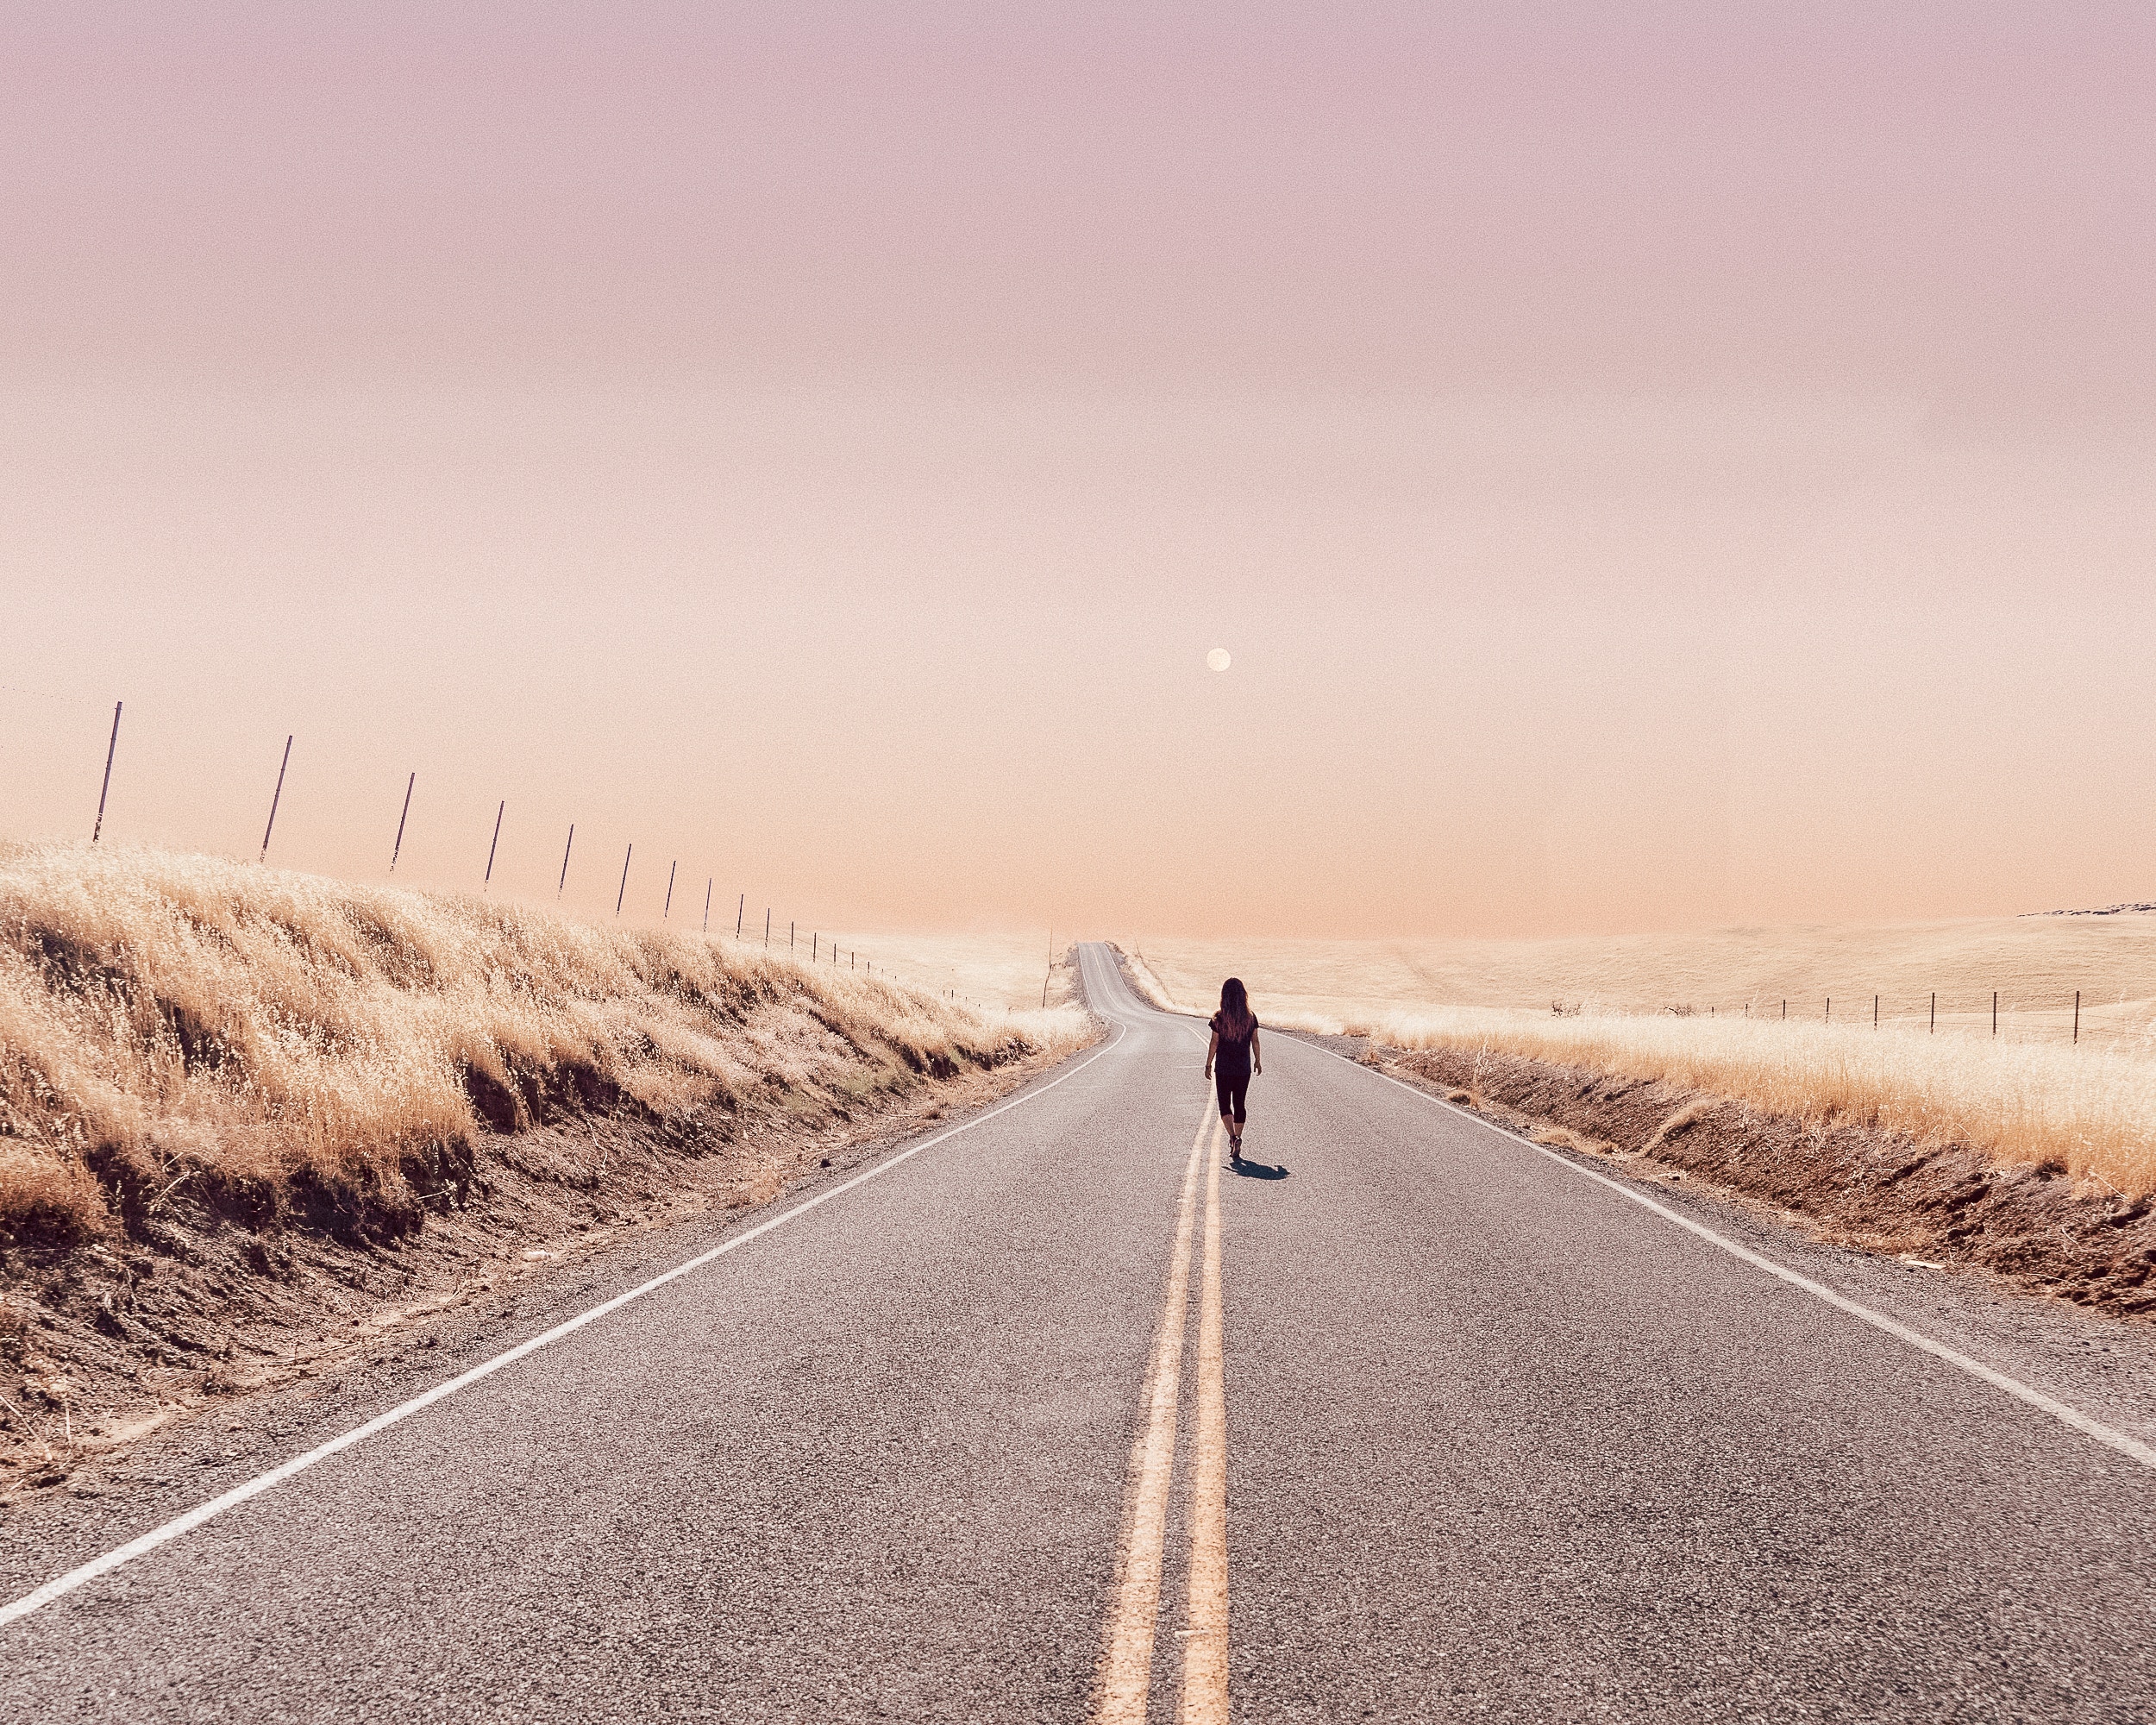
2035	962
2026	1096
168	1017
2091	1111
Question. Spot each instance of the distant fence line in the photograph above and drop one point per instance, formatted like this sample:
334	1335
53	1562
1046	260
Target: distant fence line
1928	1012
852	959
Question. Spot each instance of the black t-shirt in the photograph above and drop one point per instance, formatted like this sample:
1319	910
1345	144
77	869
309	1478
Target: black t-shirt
1234	1053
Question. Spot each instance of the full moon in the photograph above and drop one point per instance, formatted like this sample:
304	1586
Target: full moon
1218	658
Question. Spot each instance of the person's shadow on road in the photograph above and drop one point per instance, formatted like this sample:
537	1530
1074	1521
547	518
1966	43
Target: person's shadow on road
1258	1170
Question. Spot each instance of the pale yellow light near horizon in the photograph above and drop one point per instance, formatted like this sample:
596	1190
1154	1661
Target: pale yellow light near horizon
1218	658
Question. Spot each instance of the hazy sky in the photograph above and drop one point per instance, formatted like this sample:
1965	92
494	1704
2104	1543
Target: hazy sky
1651	465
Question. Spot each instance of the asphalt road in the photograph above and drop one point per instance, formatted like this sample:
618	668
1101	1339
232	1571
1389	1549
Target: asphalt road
1058	1419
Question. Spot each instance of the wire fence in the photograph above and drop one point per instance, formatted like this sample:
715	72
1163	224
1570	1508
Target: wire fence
818	949
2066	1015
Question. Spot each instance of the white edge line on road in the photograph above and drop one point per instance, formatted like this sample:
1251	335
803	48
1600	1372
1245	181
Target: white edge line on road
2058	1410
61	1585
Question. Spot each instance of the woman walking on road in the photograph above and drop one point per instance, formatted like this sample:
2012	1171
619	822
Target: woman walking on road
1232	1058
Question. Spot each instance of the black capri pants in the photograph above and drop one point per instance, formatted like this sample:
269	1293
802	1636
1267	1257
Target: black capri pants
1232	1088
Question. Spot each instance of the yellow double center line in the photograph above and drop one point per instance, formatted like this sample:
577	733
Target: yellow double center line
1126	1656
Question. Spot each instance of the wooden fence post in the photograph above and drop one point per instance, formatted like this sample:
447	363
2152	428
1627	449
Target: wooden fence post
106	787
396	849
276	796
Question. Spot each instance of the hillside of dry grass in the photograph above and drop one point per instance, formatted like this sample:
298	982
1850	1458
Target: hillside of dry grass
251	1121
286	1047
2089	1112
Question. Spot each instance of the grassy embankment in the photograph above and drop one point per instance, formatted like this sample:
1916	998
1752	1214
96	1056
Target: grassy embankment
1639	1008
284	1049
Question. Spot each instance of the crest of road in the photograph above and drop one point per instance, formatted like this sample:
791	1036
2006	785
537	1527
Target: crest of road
1058	1415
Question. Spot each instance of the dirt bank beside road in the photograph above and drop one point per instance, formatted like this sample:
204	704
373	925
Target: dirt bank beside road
1944	1206
256	1125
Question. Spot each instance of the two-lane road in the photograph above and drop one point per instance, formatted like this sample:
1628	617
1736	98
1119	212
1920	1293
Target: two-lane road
1057	1418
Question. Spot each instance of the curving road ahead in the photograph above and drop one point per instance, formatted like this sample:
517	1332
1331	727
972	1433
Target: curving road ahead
1055	1418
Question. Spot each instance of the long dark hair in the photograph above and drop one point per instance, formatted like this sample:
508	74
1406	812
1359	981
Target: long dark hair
1236	1019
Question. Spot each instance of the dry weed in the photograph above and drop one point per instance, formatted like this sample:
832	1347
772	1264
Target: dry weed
2091	1112
1684	1119
281	1039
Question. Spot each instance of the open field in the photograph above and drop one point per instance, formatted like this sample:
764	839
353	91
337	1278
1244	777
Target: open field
2029	1095
272	1041
2034	962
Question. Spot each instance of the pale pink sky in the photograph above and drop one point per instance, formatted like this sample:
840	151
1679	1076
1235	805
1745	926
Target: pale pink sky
1653	465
